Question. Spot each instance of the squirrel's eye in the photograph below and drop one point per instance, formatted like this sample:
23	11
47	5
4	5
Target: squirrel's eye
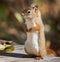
28	11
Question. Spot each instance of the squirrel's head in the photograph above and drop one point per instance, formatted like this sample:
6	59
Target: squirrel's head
30	12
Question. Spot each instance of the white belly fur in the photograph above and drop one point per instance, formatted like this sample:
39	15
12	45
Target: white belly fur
31	44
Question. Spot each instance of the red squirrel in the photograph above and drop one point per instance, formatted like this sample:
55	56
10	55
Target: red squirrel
35	43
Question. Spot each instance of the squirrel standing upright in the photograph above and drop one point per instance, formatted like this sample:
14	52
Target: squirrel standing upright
35	43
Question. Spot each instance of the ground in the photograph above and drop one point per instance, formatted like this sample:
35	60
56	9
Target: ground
19	55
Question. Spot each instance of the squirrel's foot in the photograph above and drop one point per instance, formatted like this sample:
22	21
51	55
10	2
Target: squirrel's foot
38	58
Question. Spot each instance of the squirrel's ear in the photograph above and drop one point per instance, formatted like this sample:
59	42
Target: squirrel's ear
35	7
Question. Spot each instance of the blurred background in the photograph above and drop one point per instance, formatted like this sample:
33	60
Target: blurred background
12	25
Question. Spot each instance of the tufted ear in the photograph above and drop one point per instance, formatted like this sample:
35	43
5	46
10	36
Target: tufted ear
34	6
